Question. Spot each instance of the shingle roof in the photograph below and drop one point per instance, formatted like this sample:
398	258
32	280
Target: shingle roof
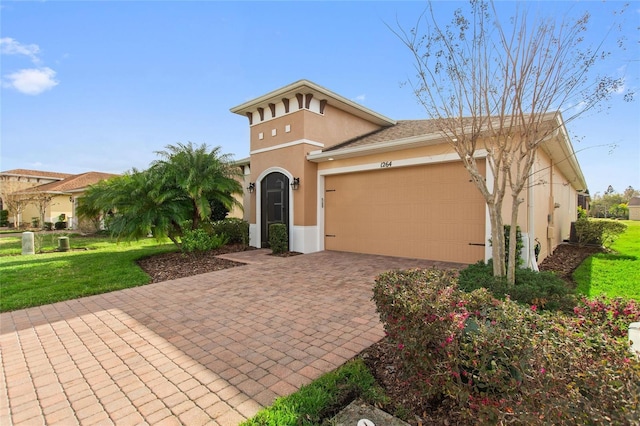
36	173
401	130
634	201
72	183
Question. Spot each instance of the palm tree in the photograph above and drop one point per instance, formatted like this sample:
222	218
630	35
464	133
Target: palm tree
201	175
172	193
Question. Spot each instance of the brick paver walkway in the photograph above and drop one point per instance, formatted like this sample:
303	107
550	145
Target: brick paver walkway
208	349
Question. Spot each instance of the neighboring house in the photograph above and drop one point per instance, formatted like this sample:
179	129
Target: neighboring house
60	191
343	177
16	180
584	200
634	208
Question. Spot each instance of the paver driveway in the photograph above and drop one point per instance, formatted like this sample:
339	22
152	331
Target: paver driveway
208	349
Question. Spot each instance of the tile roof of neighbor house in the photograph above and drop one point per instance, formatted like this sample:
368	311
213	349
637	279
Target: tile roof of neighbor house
634	201
36	174
74	183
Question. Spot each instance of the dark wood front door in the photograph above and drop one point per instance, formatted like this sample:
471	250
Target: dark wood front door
275	203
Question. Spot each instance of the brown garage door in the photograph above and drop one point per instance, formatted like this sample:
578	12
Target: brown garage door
427	212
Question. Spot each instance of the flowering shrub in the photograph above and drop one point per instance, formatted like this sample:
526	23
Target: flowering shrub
498	361
614	315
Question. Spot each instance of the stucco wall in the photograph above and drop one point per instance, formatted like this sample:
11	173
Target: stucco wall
332	127
292	160
555	204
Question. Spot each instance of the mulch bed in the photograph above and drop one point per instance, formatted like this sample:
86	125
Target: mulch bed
566	258
170	266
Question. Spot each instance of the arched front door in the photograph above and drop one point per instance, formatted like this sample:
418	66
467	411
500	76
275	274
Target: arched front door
275	203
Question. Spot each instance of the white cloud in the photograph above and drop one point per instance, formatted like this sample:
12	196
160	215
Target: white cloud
361	98
32	81
9	46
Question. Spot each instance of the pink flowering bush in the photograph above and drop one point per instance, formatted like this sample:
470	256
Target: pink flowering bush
497	361
614	314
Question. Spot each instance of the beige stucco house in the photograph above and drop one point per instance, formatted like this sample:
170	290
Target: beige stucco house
346	178
60	189
634	208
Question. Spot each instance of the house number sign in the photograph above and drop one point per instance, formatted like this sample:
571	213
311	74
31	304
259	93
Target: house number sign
385	164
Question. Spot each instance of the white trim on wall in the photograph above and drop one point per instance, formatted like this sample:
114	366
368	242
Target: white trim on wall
287	145
303	239
254	235
487	220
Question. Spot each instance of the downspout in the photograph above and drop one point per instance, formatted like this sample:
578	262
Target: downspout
531	226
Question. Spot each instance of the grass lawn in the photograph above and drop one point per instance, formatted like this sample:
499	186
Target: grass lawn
322	398
614	274
49	277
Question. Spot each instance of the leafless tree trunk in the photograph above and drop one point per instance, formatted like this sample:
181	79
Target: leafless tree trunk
13	200
500	89
42	200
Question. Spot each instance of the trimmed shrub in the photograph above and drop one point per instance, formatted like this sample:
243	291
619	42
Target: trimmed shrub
601	232
499	362
237	230
60	225
48	226
544	290
4	217
278	238
199	240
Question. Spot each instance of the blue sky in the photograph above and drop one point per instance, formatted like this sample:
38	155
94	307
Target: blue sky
104	85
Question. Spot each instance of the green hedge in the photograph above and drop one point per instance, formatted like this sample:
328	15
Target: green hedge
545	290
199	240
598	231
278	238
237	230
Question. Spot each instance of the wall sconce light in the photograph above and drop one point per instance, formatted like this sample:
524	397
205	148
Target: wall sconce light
71	199
295	184
251	187
556	205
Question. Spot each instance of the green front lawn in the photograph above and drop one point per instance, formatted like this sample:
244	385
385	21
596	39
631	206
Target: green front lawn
39	279
615	274
322	398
